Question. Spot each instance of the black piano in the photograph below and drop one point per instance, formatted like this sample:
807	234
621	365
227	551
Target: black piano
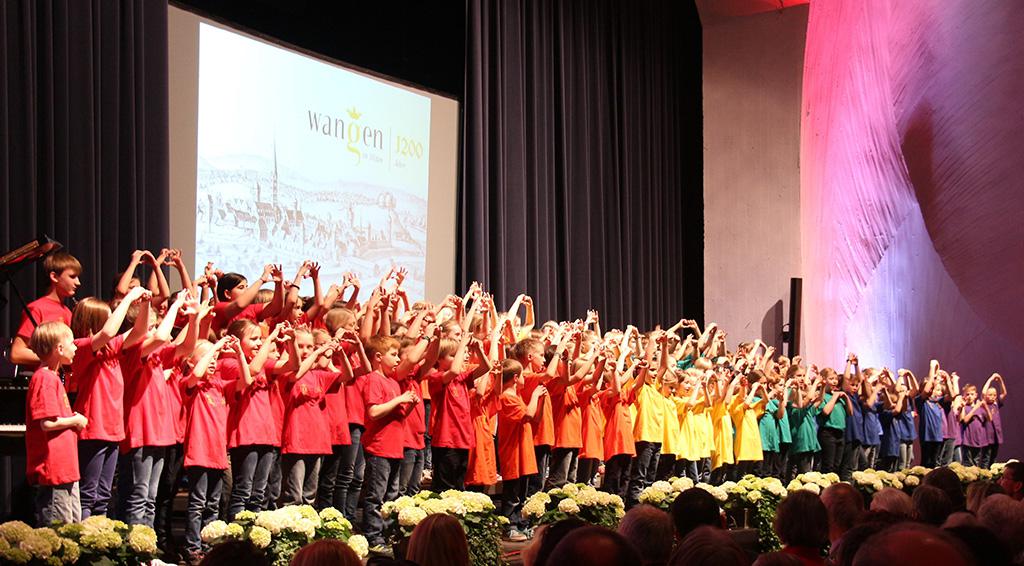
15	494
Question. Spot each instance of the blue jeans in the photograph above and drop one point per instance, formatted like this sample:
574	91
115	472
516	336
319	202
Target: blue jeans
250	474
411	476
57	503
644	469
564	462
140	473
381	486
97	461
513	495
204	489
349	482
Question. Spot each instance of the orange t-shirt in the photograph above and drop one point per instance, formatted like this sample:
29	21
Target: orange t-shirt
482	469
567	416
544	423
593	423
515	438
618	429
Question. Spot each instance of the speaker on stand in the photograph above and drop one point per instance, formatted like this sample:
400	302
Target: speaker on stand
791	330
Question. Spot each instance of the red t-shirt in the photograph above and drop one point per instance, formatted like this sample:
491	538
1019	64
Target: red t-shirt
206	435
175	394
544	423
100	389
220	314
593	423
515	438
43	309
451	425
51	458
305	422
337	416
251	418
618	430
415	425
149	413
384	437
567	415
354	408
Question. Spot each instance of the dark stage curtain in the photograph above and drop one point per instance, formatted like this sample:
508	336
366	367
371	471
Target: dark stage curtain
582	168
83	134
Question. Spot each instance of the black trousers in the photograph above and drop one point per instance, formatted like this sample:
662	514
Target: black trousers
449	468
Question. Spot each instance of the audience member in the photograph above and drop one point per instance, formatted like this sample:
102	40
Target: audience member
947	480
1012	480
845	506
709	546
777	559
931	505
983	544
650	531
978	491
893	501
912	544
594	546
694	508
438	540
1004	516
546	538
325	552
235	552
801	522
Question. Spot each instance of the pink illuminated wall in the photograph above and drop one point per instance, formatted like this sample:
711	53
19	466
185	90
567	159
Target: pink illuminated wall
912	188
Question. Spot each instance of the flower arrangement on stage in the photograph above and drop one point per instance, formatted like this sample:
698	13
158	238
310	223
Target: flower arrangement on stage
94	540
661	494
574	500
282	532
475	511
815	482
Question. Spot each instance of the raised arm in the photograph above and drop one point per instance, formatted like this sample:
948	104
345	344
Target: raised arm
163	331
113	325
129	273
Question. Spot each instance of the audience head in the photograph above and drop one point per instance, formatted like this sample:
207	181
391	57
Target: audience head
694	508
1004	516
547	538
912	544
931	505
778	559
594	546
802	520
893	501
982	543
844	549
709	546
978	491
649	530
235	552
438	540
947	480
1012	480
961	519
845	505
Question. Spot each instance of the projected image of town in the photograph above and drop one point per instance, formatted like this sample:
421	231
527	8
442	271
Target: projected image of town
299	159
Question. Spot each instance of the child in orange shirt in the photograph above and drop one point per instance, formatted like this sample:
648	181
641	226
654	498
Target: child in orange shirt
515	442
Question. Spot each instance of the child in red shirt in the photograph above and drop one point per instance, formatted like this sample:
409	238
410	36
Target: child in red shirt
149	422
451	427
386	408
235	298
530	353
206	459
306	436
97	367
342	471
63	271
252	430
515	442
51	428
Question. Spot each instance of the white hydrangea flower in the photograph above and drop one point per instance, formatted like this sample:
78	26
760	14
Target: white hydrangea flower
813	488
411	516
360	545
213	531
570	489
753	496
680	485
913	481
662	486
260	537
568	505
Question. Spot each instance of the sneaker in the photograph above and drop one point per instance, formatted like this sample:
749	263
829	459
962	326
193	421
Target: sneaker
515	535
380	549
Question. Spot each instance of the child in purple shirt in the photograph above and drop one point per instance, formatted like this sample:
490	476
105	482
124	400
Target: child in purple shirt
973	417
994	424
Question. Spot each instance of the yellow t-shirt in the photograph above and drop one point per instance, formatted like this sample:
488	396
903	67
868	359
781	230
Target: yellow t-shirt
673	436
748	435
648	425
722	430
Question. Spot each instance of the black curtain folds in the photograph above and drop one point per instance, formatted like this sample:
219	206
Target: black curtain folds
83	134
582	167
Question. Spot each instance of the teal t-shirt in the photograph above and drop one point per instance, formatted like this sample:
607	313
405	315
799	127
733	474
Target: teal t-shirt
769	427
805	429
837	418
785	431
